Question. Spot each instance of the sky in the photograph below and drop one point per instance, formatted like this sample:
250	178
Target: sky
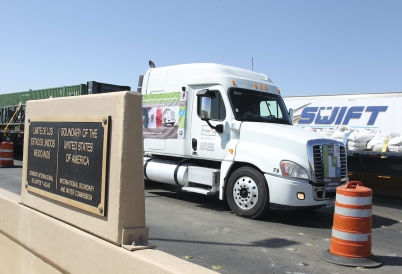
306	47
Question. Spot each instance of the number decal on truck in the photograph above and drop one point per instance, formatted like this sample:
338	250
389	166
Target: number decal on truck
276	170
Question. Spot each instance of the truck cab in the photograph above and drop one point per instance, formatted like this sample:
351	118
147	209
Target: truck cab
238	140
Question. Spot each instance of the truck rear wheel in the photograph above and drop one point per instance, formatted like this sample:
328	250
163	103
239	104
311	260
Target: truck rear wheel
247	193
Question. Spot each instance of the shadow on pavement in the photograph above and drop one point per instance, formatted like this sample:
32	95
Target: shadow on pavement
390	260
387	202
321	218
14	166
268	243
379	221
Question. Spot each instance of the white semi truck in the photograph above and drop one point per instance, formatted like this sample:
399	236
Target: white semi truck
233	136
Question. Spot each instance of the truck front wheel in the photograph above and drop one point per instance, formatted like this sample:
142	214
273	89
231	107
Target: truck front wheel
247	193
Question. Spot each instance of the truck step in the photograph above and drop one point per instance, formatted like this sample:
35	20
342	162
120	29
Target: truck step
196	190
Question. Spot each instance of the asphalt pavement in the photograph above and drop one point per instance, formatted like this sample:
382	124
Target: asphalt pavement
10	177
203	230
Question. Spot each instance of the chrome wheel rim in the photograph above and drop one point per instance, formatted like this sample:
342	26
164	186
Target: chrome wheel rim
245	192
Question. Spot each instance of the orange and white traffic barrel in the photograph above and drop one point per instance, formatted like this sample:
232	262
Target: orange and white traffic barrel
6	154
351	230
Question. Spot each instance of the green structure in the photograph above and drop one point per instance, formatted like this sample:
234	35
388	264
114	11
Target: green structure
12	105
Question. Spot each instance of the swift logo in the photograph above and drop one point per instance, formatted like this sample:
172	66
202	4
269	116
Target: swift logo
336	115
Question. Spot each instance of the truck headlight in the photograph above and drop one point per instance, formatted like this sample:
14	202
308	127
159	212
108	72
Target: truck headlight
291	169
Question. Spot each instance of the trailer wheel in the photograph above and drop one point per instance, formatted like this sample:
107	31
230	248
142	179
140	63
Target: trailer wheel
247	193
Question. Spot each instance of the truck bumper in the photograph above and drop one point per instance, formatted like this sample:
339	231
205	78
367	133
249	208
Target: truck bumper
284	192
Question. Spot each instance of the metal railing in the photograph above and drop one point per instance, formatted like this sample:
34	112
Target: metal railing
12	115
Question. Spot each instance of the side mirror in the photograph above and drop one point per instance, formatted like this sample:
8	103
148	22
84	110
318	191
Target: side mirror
206	96
291	115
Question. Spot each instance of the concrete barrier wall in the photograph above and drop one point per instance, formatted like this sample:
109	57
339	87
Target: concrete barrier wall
32	242
43	233
125	204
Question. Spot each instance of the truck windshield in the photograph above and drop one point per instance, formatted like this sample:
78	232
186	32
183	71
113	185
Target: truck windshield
258	106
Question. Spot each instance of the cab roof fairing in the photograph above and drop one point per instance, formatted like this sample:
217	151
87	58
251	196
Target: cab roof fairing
203	73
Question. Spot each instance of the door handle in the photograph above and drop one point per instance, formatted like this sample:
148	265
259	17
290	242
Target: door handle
194	144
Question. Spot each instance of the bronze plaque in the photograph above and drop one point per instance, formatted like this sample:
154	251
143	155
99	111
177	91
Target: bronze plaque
67	160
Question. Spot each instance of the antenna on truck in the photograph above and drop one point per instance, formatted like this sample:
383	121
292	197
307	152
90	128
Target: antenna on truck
151	64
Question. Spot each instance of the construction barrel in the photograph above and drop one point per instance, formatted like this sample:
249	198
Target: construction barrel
351	230
6	154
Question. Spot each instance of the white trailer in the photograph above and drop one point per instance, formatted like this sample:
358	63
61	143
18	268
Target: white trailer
234	136
369	110
376	161
369	119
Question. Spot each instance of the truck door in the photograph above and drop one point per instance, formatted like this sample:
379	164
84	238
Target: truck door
206	143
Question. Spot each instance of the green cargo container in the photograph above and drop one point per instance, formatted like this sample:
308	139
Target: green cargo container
12	99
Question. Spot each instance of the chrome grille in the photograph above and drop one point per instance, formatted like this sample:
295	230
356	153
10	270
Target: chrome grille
318	162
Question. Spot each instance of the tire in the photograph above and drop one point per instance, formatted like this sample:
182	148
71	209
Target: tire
247	193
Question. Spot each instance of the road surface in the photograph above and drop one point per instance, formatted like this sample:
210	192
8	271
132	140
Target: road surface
203	229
